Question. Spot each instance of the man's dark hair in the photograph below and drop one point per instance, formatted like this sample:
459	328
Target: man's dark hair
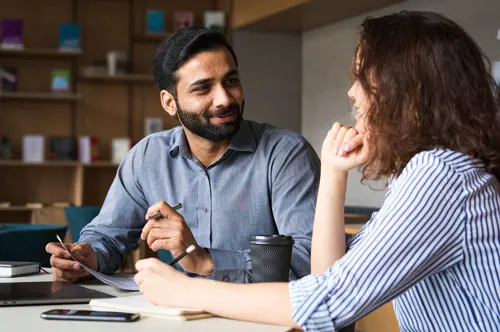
176	50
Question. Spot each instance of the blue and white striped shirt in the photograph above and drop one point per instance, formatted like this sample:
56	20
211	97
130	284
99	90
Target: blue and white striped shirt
433	247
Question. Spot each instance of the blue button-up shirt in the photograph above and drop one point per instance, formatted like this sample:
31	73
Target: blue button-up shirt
265	183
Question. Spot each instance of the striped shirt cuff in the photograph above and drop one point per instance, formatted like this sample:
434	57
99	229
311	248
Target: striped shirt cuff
310	310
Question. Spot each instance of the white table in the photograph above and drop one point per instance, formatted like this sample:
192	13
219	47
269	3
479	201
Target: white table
27	318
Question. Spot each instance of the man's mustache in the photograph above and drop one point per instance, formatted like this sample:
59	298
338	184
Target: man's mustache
230	109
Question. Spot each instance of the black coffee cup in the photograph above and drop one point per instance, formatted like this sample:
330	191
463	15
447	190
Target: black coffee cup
271	257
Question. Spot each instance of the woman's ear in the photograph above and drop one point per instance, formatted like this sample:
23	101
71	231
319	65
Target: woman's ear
168	102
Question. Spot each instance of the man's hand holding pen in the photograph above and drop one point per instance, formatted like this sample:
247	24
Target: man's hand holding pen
166	229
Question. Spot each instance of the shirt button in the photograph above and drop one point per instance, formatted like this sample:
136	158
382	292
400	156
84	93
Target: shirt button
205	210
226	279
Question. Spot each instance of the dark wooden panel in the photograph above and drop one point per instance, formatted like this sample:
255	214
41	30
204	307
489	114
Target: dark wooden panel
96	184
312	14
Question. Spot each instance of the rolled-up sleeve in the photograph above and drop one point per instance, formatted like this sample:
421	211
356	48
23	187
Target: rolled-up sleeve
295	179
231	265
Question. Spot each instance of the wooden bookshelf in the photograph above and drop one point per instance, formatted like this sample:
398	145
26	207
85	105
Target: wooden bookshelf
17	209
101	164
356	217
120	78
33	53
40	96
152	37
103	106
20	163
157	38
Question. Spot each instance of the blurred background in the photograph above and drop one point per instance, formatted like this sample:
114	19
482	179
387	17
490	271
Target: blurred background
77	90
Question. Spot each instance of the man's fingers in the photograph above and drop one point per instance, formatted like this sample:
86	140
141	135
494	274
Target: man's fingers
65	264
82	250
159	228
145	231
152	210
167	213
56	249
161	244
69	274
154	234
166	210
163	234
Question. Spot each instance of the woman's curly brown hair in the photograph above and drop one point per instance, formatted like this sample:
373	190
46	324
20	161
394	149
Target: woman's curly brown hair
430	87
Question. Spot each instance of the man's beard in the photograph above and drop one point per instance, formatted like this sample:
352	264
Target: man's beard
199	123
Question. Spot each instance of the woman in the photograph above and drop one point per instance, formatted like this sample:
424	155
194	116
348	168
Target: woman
427	120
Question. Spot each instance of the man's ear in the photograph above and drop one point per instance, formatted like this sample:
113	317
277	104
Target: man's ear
168	102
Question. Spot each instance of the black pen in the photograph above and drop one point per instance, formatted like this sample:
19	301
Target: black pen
181	256
157	215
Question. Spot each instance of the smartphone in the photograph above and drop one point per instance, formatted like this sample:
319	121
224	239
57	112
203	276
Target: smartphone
102	316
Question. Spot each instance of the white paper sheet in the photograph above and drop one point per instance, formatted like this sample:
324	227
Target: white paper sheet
126	283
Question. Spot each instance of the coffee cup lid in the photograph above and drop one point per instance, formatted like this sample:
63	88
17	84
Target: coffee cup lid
271	239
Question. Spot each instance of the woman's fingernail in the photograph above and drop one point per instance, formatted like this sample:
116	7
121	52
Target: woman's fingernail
347	148
67	256
341	152
76	266
335	151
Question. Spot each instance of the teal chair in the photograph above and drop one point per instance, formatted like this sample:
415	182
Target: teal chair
26	242
79	216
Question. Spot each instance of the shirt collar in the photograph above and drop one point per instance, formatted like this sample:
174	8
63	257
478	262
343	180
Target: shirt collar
243	140
180	144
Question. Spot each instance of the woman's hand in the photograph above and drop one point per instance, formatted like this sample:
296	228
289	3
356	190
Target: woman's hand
344	148
162	284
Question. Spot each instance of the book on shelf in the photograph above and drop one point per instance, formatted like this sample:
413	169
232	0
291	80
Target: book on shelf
120	148
33	148
5	148
183	19
9	78
62	148
34	205
61	80
88	150
155	22
60	204
215	20
11	33
69	37
152	125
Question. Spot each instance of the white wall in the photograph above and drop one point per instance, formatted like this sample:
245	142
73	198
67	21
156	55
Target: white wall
270	68
326	59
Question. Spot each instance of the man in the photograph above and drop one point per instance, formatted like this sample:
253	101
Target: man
234	178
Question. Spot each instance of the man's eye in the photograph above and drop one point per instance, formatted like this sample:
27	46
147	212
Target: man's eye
233	80
203	88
